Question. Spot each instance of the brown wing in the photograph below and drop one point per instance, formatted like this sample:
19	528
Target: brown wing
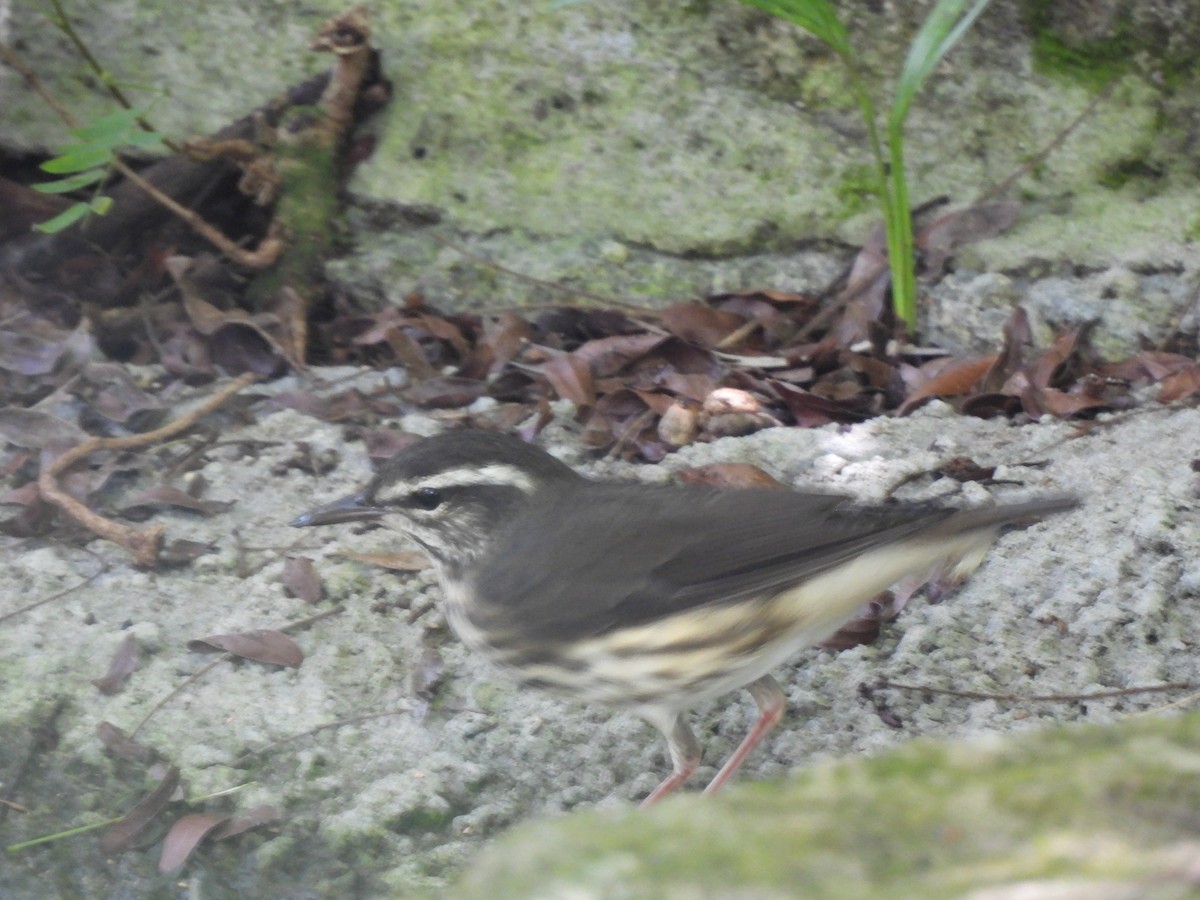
610	556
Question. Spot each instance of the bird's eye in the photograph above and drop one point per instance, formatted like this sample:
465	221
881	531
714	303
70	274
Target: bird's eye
426	498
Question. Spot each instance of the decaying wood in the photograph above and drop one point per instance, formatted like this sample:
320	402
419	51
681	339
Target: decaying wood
265	155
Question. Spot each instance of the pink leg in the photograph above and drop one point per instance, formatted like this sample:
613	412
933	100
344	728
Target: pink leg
683	747
771	704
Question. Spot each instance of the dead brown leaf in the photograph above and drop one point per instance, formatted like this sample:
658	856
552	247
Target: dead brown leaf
700	324
865	626
1037	401
695	387
28	354
406	350
862	629
1180	385
571	378
991	406
810	410
503	338
120	837
184	837
878	373
301	579
609	355
35	430
865	292
611	415
35	516
446	331
1047	366
123	664
247	346
116	743
954	378
114	397
446	391
1150	366
1017	336
265	646
251	818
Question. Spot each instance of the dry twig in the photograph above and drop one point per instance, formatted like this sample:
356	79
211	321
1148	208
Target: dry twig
144	544
1037	698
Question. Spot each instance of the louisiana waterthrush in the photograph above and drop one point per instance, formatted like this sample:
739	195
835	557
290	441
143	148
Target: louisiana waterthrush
651	597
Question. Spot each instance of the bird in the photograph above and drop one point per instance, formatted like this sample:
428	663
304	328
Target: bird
654	598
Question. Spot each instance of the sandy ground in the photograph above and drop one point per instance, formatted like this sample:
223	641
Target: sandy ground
1104	597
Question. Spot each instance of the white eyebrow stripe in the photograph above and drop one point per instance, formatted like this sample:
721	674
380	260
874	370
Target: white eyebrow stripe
492	474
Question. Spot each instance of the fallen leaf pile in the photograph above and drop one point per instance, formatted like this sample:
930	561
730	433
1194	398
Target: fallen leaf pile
644	384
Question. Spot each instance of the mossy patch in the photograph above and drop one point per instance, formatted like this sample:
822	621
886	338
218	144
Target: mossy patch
929	820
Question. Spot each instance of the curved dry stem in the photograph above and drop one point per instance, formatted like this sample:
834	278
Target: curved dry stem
143	544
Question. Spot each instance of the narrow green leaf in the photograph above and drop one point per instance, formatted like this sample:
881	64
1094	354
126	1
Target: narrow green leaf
101	204
817	17
145	140
73	183
941	30
111	129
64	219
77	159
901	259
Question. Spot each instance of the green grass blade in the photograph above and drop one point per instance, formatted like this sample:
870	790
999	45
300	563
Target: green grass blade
945	24
58	836
817	17
941	30
901	258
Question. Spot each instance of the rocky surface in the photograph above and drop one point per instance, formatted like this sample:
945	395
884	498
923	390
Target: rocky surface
1064	813
649	153
1101	598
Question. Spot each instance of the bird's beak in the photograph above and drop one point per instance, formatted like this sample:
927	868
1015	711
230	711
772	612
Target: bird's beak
353	508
